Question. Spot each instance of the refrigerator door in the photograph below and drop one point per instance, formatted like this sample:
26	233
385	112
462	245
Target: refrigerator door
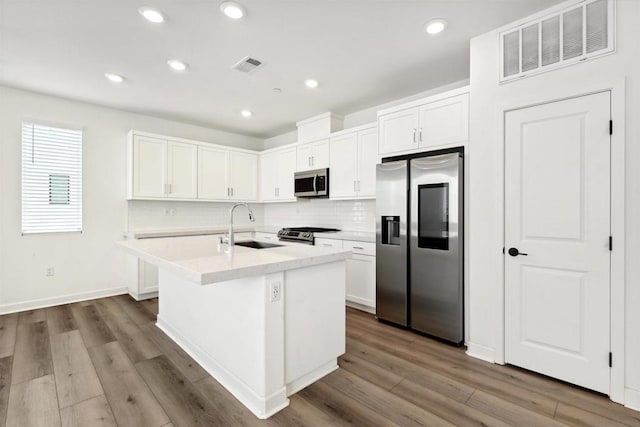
435	246
391	242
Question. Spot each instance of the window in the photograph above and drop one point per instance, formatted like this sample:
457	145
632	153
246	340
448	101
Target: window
51	179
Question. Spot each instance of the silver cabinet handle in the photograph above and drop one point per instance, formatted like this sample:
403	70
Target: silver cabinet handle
275	192
358	181
231	191
414	134
309	161
420	134
228	192
169	186
354	186
327	244
358	247
166	189
313	160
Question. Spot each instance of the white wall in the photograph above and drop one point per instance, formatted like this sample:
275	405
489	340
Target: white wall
486	169
352	215
87	263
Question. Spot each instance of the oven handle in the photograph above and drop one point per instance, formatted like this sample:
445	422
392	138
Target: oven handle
314	184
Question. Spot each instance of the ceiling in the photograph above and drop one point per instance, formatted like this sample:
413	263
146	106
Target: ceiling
363	53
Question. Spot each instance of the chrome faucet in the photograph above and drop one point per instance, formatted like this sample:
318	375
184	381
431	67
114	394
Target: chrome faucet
231	240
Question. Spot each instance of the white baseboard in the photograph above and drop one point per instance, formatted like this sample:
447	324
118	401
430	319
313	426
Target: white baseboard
143	296
481	352
262	407
632	399
361	307
313	376
64	299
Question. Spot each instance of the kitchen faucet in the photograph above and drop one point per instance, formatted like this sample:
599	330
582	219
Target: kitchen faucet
231	240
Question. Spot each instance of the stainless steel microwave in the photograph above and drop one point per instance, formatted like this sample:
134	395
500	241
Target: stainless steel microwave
314	183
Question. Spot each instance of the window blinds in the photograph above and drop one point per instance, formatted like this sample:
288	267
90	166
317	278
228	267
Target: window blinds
51	179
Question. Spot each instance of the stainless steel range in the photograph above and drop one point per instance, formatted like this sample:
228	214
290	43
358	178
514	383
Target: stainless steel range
302	234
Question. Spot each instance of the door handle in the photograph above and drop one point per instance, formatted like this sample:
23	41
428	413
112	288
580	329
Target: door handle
516	252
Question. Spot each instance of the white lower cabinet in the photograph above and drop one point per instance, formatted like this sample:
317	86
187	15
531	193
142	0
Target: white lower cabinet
361	272
146	285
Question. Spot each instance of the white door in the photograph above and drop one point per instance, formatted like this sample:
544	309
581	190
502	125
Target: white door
399	131
268	176
367	159
557	175
286	170
304	157
212	173
444	122
343	172
182	159
149	167
243	169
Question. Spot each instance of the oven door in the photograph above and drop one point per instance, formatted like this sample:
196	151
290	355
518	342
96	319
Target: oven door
312	183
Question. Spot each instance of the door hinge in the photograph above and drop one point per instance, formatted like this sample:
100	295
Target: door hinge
610	360
610	243
610	127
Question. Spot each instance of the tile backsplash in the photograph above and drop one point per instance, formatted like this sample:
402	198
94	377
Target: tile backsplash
158	215
353	215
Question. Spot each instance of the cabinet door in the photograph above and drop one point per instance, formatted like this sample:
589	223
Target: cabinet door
445	122
212	173
361	280
268	176
243	175
367	159
182	159
304	157
343	172
149	167
320	154
398	131
286	168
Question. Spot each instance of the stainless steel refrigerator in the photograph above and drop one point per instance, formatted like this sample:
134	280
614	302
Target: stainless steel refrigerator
419	244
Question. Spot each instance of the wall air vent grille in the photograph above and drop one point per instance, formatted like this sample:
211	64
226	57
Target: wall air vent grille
580	32
248	65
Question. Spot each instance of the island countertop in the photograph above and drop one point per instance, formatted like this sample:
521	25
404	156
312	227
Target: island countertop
201	260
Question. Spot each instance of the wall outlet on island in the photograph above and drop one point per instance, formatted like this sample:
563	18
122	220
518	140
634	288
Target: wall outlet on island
50	271
275	291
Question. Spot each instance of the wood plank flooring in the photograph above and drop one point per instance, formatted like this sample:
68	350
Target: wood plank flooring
104	363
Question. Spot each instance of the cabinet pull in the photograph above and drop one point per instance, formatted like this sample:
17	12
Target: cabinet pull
275	192
228	192
327	244
358	247
309	161
420	134
166	189
313	160
169	186
354	186
231	191
414	134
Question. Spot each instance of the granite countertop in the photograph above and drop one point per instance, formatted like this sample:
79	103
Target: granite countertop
201	260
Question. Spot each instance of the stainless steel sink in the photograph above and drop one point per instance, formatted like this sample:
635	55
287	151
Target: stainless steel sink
257	245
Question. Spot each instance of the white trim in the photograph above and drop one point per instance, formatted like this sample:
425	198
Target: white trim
262	407
313	376
328	115
135	132
372	125
617	88
428	100
143	295
359	306
64	299
632	399
481	352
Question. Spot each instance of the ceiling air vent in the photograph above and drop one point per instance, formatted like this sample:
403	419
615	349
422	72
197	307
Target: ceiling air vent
580	32
248	65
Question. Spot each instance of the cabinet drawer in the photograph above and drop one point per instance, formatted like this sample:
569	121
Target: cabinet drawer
362	248
328	243
265	237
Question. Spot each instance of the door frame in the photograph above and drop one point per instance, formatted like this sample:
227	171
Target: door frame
617	205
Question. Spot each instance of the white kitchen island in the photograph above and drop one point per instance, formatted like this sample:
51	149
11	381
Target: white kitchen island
264	322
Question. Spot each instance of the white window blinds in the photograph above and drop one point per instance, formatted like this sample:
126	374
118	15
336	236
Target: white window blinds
51	179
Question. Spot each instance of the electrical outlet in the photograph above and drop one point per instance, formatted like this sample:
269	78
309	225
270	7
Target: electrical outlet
167	211
50	271
172	212
275	291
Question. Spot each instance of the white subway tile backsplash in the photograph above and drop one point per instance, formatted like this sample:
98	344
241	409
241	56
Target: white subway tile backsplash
355	215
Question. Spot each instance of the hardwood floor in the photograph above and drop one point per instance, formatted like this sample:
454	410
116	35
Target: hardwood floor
104	363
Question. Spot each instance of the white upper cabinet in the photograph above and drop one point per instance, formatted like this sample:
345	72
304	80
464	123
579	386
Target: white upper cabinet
172	168
276	175
420	125
313	155
243	176
148	167
182	161
212	173
353	164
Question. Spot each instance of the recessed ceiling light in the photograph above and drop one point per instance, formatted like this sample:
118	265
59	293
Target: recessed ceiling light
116	78
246	113
311	83
151	14
435	26
233	10
177	65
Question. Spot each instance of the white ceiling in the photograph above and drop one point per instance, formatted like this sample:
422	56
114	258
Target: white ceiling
363	52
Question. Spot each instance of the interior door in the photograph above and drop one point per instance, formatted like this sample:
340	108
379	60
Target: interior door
557	226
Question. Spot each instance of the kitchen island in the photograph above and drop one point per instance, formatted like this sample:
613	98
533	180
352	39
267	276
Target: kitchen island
265	323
